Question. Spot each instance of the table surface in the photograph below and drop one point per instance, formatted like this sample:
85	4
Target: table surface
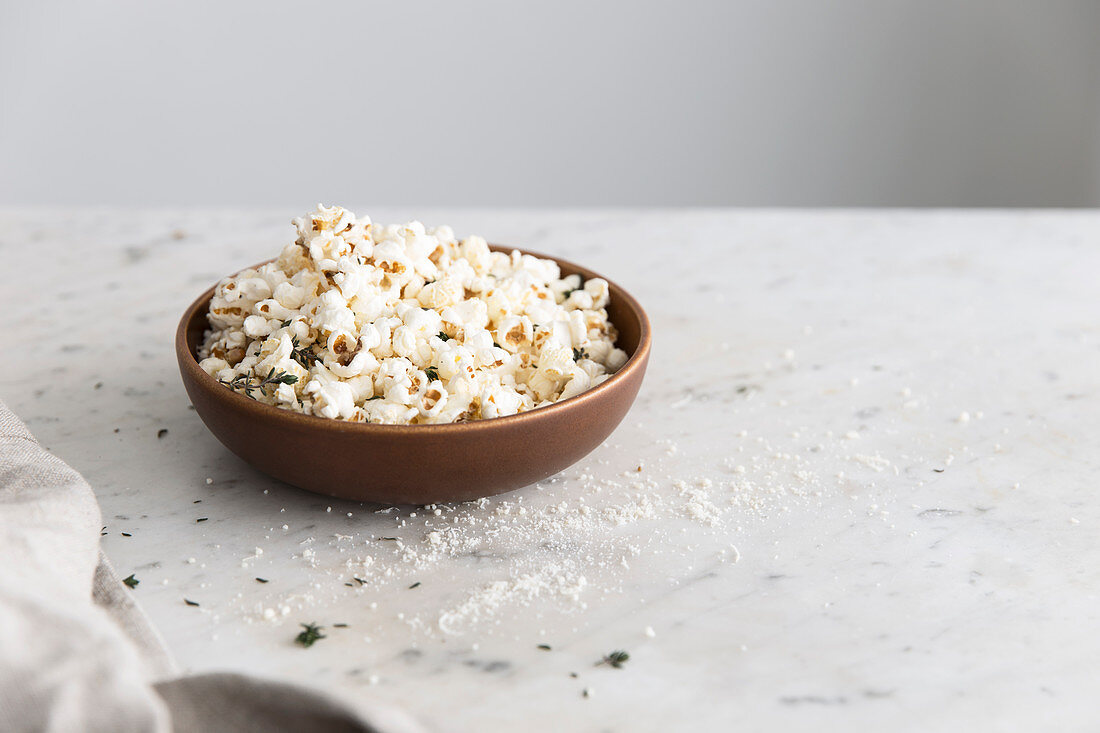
856	488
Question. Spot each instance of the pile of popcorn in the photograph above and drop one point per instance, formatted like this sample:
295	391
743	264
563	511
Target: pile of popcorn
403	325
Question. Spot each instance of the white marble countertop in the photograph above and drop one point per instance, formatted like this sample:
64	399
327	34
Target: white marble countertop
867	452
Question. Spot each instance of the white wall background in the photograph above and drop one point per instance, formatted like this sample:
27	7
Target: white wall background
819	102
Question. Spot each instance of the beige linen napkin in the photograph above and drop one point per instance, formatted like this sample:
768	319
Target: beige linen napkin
76	652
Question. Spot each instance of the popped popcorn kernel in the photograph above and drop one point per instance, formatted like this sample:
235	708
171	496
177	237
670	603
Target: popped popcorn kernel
399	324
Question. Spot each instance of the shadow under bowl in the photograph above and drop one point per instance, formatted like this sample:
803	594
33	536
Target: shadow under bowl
418	464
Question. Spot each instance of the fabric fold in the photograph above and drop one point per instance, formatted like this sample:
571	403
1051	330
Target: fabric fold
78	654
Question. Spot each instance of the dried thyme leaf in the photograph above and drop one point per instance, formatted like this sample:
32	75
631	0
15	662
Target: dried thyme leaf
615	659
309	635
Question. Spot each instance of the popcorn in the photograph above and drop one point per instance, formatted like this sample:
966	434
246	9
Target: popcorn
402	325
289	296
256	326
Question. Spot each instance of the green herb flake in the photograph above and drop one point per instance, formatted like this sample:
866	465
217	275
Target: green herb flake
544	647
310	634
615	659
415	585
189	602
244	382
432	373
304	355
280	378
444	337
262	580
131	582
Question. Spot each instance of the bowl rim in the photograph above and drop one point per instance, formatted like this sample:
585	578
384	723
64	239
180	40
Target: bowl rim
189	362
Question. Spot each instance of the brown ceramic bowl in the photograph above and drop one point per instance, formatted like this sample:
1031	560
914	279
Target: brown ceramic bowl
417	464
